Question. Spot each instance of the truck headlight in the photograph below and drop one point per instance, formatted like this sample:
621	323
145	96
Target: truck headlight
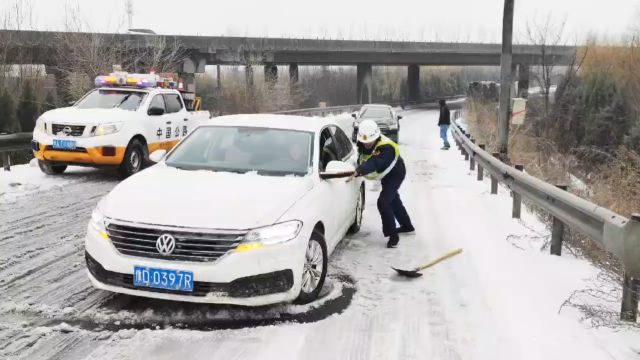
106	129
269	235
40	125
97	224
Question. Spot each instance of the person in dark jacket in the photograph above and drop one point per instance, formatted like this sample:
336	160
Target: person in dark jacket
444	122
379	158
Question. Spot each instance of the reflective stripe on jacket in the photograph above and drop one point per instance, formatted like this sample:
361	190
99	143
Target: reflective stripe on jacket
382	142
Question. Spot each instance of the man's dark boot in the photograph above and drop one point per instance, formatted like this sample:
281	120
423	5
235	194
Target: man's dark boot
393	241
406	230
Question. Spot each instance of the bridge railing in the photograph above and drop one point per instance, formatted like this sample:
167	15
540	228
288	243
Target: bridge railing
613	232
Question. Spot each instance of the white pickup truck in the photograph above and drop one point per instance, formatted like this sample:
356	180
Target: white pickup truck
113	126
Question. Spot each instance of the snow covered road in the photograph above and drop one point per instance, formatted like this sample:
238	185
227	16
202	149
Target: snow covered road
499	299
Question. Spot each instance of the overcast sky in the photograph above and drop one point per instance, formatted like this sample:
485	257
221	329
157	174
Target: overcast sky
442	20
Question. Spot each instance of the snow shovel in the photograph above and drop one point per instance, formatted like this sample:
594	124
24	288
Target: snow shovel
416	272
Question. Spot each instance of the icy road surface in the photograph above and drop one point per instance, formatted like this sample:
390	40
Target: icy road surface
500	299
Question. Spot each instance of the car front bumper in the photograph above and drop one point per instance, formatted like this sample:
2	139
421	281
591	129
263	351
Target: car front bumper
98	150
263	276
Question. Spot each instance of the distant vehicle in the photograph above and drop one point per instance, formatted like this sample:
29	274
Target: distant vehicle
245	210
117	124
384	115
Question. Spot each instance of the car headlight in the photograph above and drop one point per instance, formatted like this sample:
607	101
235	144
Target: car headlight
106	129
269	235
393	126
97	224
40	125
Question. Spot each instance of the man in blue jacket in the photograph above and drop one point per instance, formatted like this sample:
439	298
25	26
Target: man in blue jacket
379	158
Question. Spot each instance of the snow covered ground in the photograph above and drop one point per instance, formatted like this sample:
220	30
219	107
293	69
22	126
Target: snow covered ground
28	179
500	299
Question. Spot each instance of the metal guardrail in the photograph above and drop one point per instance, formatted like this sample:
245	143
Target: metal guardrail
613	232
22	141
13	142
333	110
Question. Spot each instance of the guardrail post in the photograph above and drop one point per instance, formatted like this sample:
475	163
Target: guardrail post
6	161
466	154
472	162
517	199
494	179
630	288
480	169
557	232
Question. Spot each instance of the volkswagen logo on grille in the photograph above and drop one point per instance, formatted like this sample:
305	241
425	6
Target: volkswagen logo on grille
165	244
66	130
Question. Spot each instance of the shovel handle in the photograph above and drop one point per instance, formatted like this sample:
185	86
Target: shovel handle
443	257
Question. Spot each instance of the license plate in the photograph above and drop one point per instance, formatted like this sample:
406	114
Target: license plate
64	144
162	278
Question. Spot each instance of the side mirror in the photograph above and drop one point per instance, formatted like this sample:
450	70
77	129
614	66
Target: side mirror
155	111
399	117
337	169
354	115
157	155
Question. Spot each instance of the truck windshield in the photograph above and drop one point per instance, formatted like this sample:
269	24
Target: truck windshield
108	99
272	152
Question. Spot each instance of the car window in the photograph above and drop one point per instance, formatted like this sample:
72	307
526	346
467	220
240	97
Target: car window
328	151
375	112
241	149
343	144
157	101
109	99
173	102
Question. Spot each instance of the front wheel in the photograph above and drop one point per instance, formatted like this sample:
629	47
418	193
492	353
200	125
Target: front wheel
51	169
357	221
315	269
133	160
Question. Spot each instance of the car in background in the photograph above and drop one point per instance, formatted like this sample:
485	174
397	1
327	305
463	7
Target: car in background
384	115
245	210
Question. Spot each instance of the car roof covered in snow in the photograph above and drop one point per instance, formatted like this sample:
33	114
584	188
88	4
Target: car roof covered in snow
376	105
273	121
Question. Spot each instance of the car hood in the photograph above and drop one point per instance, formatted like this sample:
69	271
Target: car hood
75	116
203	199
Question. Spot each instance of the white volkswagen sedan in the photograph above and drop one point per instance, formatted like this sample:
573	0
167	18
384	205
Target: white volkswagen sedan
245	210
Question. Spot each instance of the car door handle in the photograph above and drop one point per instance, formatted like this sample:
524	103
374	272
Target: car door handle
186	119
168	122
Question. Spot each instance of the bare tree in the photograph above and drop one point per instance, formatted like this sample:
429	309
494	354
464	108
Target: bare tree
545	34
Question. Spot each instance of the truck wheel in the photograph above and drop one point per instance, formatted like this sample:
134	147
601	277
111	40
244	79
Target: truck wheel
315	269
51	169
133	160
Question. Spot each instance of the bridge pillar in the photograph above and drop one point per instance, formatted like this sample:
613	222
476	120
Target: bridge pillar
188	81
523	81
413	82
293	77
270	75
364	86
218	77
248	76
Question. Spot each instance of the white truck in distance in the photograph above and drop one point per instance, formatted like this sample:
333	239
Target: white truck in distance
117	124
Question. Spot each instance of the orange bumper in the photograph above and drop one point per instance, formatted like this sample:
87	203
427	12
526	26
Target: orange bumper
90	156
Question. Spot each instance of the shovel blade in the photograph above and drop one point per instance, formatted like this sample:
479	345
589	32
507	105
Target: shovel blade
407	273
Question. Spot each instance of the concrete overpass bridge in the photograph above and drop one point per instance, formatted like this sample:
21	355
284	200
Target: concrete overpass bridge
38	47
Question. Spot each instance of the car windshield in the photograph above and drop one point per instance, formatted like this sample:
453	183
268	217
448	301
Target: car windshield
245	149
375	113
109	99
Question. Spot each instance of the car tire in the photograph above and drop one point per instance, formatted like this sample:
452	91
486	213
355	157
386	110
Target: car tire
357	222
51	169
317	247
133	160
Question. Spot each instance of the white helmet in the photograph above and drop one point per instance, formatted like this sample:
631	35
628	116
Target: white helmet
368	131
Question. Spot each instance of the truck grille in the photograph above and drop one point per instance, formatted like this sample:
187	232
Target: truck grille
195	245
76	130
